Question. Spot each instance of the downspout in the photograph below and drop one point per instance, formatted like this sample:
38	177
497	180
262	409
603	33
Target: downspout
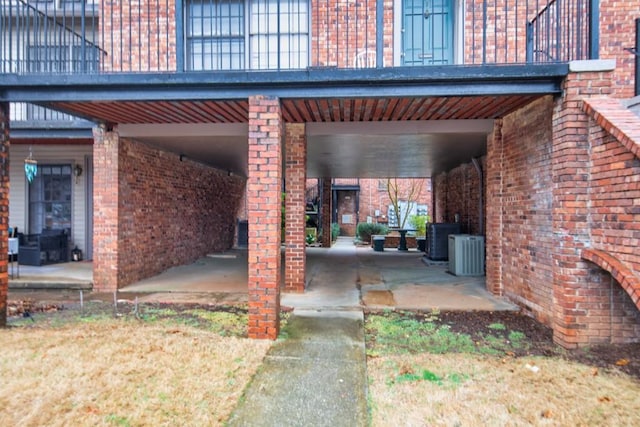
476	163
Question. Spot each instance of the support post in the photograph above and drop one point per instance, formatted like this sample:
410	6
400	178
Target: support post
264	186
326	212
106	211
296	177
4	210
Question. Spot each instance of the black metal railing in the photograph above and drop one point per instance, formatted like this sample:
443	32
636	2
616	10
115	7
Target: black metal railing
104	36
564	30
49	37
25	112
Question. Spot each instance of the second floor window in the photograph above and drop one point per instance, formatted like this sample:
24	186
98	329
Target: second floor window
240	34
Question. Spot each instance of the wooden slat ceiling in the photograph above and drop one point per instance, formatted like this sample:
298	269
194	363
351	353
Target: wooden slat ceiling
300	110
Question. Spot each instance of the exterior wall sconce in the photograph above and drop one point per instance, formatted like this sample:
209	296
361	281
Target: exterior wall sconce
77	172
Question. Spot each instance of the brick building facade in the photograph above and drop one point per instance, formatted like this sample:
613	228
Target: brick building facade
555	189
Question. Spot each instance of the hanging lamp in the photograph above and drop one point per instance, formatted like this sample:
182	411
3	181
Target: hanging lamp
30	167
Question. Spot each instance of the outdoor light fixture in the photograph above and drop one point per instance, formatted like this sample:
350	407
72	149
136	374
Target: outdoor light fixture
77	171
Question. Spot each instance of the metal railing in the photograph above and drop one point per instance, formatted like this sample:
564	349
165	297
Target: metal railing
53	37
25	112
104	36
564	30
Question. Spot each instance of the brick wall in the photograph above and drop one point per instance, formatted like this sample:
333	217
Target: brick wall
340	29
614	220
517	184
614	213
527	232
4	209
617	31
558	184
588	308
138	36
494	201
172	212
459	192
153	211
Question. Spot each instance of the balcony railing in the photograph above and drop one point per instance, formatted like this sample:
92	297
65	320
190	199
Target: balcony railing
560	31
104	36
49	37
24	112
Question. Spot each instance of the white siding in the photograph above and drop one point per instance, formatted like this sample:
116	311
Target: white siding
18	196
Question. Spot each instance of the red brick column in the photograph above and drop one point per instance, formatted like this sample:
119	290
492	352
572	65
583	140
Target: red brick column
106	189
575	317
264	187
295	176
4	209
326	212
494	201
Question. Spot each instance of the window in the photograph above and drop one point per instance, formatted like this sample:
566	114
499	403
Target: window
215	35
50	199
274	35
279	34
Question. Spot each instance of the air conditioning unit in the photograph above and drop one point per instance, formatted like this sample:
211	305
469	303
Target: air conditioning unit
437	239
466	255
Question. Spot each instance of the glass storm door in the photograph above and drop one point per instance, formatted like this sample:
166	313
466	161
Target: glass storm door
427	32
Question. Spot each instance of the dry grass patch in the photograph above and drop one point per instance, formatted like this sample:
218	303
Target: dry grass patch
117	372
468	390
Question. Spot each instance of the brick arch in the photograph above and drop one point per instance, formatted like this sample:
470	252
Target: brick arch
629	281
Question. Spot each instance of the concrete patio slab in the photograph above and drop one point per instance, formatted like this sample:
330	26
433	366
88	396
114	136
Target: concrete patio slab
343	277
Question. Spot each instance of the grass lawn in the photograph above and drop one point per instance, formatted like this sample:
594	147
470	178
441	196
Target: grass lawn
158	368
421	373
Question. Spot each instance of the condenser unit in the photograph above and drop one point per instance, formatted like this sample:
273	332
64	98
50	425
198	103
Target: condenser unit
437	239
466	255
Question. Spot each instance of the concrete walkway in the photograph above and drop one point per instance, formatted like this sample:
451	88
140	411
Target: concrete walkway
314	377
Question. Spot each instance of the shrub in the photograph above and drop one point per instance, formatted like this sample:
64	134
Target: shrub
365	230
335	230
419	223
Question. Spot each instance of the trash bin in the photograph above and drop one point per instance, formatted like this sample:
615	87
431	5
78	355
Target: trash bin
422	244
378	243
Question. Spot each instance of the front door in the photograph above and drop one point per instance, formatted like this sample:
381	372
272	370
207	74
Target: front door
347	211
427	32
